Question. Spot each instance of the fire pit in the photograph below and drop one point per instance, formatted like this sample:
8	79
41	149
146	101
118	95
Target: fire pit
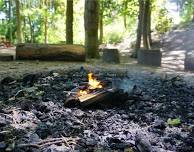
92	92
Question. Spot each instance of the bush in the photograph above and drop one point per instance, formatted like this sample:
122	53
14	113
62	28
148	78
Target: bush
114	37
164	23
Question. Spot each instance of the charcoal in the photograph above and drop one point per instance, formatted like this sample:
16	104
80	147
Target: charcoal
132	119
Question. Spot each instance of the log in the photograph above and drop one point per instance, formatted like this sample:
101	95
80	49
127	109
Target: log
50	52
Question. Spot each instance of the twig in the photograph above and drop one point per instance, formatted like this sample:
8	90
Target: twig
48	142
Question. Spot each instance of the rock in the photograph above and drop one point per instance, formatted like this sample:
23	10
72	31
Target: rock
78	113
142	143
7	80
91	142
56	148
159	124
3	146
29	79
2	122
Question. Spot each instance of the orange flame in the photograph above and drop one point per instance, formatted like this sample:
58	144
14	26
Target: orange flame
83	92
93	83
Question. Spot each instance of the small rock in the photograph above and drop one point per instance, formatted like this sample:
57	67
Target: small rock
2	122
142	143
78	113
3	146
91	142
7	80
159	124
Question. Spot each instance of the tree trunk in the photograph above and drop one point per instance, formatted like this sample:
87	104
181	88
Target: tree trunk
101	24
18	20
31	30
124	16
46	23
146	42
10	28
69	22
149	25
50	52
91	28
139	29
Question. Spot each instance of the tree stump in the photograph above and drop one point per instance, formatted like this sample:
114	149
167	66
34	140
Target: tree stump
189	62
110	56
50	52
149	57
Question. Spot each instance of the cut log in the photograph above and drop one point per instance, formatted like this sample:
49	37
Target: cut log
110	56
50	52
96	97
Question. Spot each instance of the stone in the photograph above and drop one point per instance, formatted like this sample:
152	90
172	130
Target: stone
7	80
3	146
2	122
159	124
142	143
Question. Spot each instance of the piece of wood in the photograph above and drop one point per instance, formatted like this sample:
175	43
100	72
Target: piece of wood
53	52
96	97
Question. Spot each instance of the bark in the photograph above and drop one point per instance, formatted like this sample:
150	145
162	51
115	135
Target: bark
101	24
149	25
50	52
10	28
46	23
139	29
69	22
18	21
146	42
91	19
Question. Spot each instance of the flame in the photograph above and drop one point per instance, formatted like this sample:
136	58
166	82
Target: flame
93	83
83	92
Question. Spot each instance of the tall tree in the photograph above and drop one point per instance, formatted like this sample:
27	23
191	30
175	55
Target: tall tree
10	27
46	22
101	29
91	18
18	20
69	22
146	28
139	29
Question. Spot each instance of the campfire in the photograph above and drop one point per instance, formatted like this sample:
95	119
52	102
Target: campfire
93	84
94	91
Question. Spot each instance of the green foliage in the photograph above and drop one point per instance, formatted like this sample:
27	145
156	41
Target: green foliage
174	122
187	10
114	37
164	23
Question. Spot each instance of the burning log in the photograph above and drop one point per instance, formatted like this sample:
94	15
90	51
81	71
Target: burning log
95	92
96	97
50	52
